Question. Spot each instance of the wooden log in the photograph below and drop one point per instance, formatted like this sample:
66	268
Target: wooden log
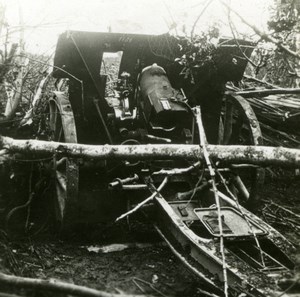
267	92
8	295
56	286
233	154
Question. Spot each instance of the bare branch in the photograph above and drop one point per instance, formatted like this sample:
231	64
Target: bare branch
262	34
260	81
141	204
265	92
55	286
198	18
236	41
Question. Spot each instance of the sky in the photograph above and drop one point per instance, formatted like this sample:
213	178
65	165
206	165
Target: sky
45	19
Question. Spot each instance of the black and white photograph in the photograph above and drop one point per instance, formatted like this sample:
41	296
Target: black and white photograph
150	148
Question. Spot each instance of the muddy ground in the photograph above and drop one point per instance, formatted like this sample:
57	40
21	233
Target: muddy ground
147	266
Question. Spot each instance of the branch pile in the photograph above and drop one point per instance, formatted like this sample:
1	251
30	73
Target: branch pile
278	112
281	216
279	117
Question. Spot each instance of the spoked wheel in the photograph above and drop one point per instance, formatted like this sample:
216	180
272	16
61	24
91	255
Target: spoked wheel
239	126
63	129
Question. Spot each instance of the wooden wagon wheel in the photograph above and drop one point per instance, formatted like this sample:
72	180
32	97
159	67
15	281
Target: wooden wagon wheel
239	126
63	129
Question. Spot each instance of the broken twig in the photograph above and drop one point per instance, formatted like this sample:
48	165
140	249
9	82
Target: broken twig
198	18
260	81
174	171
55	286
164	182
265	92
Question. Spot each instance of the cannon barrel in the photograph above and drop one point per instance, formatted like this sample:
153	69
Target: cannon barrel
162	104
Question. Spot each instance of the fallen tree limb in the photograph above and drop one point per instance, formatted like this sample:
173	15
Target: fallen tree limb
265	92
55	286
170	172
8	295
233	154
137	207
260	81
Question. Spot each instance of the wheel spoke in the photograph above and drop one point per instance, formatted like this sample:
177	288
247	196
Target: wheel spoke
228	119
240	126
63	127
60	134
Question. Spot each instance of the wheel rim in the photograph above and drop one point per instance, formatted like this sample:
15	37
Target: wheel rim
62	129
239	126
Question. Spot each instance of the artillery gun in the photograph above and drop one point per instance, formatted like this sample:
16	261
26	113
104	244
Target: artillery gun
199	208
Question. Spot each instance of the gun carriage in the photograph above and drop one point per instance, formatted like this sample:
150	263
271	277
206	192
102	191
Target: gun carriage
200	210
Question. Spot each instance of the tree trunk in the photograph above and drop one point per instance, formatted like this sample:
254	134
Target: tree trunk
15	94
234	154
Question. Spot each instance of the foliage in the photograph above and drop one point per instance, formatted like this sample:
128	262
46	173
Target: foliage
35	68
274	65
197	51
285	17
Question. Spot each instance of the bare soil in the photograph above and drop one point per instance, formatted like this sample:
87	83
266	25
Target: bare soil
143	269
